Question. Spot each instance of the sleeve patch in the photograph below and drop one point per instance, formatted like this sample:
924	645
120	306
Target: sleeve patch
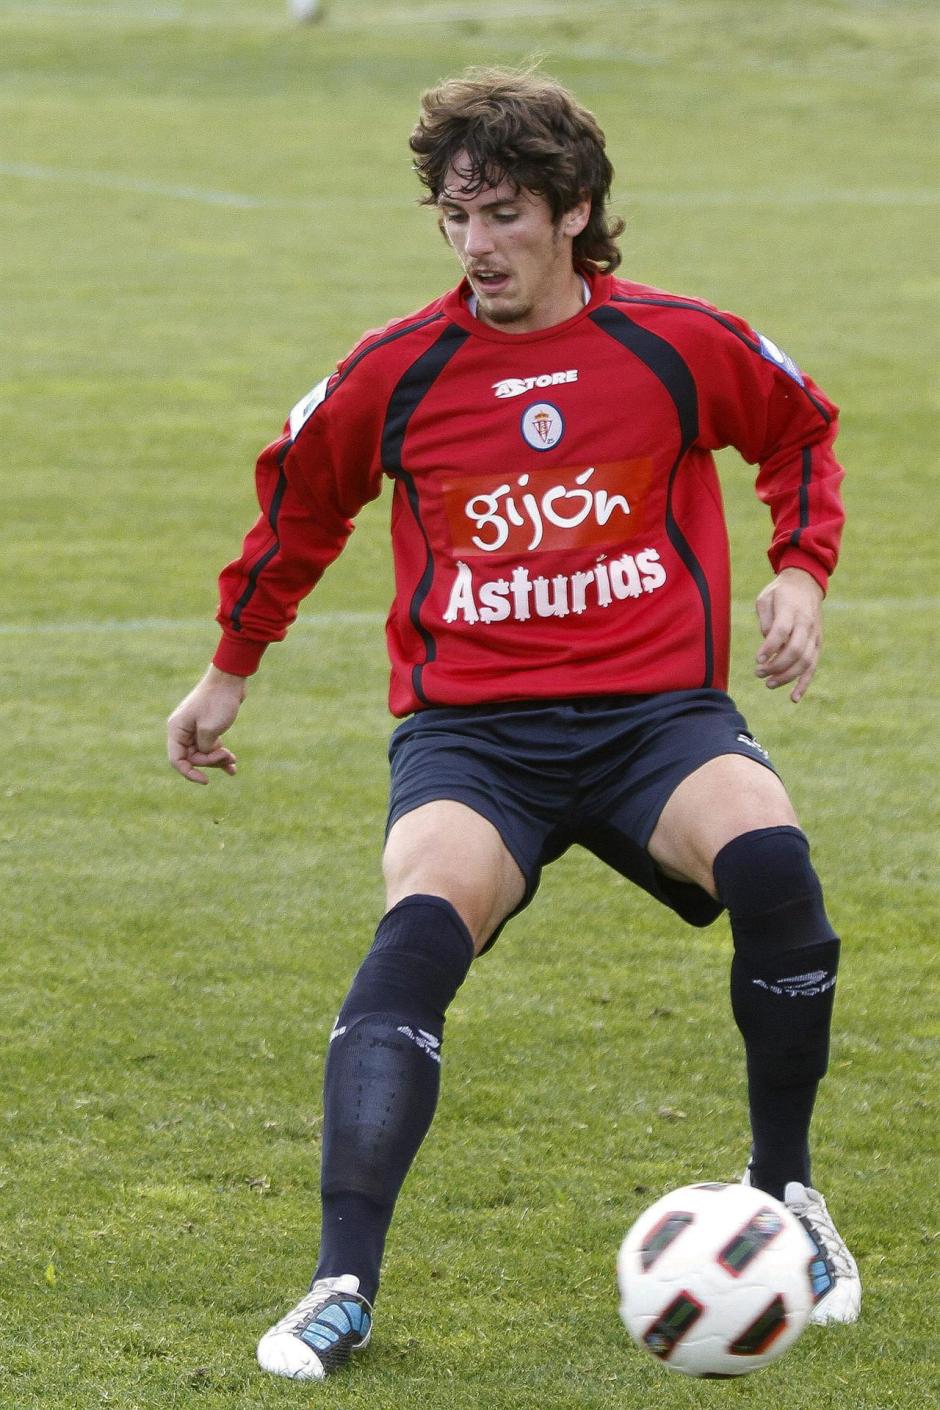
780	359
307	405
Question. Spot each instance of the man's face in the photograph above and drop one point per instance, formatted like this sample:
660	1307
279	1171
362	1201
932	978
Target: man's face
517	259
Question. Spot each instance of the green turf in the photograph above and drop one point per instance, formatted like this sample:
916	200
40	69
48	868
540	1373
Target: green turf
202	207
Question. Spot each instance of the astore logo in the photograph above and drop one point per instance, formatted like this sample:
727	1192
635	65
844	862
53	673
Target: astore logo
516	386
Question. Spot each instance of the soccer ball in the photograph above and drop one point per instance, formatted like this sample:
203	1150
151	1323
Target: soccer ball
306	10
715	1279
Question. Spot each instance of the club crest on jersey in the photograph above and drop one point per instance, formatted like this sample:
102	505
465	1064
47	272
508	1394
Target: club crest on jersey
780	359
542	425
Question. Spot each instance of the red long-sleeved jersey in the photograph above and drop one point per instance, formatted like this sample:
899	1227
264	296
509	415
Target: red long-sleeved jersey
557	524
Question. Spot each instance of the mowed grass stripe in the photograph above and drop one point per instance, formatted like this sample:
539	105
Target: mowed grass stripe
333	16
740	611
240	200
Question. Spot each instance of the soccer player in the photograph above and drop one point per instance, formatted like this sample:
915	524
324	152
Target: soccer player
559	647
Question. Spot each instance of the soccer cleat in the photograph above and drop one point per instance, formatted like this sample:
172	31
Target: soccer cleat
836	1284
317	1336
837	1288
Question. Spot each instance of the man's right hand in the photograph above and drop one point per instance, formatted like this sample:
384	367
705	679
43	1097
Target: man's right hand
195	727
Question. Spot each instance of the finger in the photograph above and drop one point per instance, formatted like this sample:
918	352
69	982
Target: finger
184	758
777	634
219	758
206	740
794	639
785	663
765	612
795	664
208	732
213	757
178	748
184	767
802	685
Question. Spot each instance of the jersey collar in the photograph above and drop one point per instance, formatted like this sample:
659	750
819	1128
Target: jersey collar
457	307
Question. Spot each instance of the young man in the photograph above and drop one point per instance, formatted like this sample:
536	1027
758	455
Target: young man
559	643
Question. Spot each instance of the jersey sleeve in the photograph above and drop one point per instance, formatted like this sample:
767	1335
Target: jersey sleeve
756	399
310	483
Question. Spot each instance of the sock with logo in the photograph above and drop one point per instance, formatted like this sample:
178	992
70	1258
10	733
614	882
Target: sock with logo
783	976
382	1079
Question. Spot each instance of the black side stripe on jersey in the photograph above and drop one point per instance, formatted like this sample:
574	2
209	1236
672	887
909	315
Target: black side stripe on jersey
805	480
407	396
261	563
381	343
364	352
672	371
716	317
281	486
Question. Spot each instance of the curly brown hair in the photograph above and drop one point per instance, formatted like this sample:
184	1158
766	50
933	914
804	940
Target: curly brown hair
520	126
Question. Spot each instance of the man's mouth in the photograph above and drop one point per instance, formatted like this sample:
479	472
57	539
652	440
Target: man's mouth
489	281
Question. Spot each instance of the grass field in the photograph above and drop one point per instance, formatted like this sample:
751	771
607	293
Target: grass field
202	208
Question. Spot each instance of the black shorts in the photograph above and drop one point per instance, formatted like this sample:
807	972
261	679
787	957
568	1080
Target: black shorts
593	770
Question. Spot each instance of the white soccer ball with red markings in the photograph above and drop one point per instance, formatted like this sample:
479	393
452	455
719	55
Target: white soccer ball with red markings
715	1280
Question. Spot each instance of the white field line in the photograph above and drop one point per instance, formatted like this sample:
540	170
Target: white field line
131	625
276	16
202	195
779	199
741	612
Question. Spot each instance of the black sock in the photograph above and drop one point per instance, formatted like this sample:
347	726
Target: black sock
782	982
382	1079
780	1118
352	1239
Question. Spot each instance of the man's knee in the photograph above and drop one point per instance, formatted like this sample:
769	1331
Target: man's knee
786	954
773	896
419	958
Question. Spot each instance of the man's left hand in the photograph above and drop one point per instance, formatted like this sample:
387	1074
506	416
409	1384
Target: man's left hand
789	611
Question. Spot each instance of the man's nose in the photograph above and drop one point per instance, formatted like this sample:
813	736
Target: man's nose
479	237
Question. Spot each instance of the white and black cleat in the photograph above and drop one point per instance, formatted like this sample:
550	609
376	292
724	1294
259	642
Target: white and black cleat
318	1336
837	1287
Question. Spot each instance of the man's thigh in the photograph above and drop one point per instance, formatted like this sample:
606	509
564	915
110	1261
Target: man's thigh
644	814
445	848
472	805
722	799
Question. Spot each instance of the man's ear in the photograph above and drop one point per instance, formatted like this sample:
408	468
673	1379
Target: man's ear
575	220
